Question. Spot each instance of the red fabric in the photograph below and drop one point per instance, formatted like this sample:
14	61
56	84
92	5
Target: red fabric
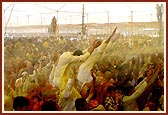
31	105
93	104
37	106
102	92
57	106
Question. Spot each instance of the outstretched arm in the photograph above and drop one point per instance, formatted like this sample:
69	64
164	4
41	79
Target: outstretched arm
151	79
114	31
92	89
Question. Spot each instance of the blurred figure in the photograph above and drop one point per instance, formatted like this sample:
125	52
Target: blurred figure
50	106
21	103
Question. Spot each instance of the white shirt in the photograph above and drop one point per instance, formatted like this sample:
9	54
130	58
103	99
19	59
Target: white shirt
84	70
65	59
68	97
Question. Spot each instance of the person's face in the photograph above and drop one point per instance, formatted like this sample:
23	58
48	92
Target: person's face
150	72
36	66
161	76
34	99
111	81
113	94
118	94
99	80
151	66
159	82
101	67
152	106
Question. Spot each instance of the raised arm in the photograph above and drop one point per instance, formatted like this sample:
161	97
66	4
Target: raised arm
157	70
114	31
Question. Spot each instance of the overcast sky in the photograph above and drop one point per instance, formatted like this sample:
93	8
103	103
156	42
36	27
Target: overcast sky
36	13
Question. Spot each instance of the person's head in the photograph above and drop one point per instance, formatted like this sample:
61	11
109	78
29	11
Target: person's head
8	102
151	65
128	90
101	66
157	91
24	74
78	52
153	104
54	56
49	106
61	37
81	104
109	77
124	68
21	103
118	94
161	75
18	83
99	80
111	90
150	72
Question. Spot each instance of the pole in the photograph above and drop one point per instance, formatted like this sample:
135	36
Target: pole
41	23
132	23
41	19
70	19
8	18
5	21
131	16
17	21
108	21
87	18
83	21
57	17
151	17
28	22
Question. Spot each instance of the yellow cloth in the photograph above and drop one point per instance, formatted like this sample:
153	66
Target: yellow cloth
46	44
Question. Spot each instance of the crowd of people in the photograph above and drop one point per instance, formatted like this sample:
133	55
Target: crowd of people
109	74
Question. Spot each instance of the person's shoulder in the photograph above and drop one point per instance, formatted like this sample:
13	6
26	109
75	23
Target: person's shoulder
18	79
146	109
66	53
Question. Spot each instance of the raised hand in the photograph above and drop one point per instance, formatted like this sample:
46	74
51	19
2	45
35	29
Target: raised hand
160	64
97	43
93	73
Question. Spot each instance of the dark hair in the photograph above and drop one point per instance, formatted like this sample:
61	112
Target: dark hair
49	106
111	89
139	80
157	91
20	102
123	67
127	89
155	103
78	53
80	104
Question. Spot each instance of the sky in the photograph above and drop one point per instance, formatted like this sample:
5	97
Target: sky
39	13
